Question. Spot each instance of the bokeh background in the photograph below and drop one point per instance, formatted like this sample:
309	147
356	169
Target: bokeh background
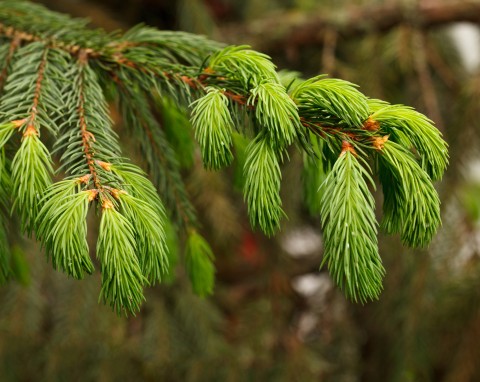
274	316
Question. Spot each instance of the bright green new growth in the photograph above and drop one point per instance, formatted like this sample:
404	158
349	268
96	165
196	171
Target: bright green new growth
412	129
31	175
213	128
136	183
262	186
350	229
64	234
341	102
58	80
6	132
411	204
240	63
152	250
122	278
276	112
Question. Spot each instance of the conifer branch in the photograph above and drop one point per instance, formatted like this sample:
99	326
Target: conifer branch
58	77
347	210
87	136
158	154
12	48
31	128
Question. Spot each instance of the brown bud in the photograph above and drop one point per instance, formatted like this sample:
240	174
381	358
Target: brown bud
31	130
379	142
116	193
19	123
84	179
92	195
347	146
107	204
105	165
371	125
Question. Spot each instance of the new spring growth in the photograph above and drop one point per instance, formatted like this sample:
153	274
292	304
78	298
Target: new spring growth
347	146
379	142
92	195
107	204
105	165
31	130
18	123
84	179
371	125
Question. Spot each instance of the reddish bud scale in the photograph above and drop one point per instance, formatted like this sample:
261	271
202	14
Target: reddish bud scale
347	146
92	195
105	165
379	142
107	204
371	125
30	131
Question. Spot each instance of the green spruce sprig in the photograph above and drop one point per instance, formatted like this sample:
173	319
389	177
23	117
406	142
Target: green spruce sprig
262	185
411	203
350	228
122	278
213	128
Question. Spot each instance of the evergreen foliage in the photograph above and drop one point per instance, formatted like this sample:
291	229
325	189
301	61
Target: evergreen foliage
59	79
347	209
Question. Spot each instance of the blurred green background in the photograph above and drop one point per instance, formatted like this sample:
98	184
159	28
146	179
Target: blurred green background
274	315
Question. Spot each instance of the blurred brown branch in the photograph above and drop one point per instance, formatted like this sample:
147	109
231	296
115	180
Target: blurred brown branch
304	29
100	16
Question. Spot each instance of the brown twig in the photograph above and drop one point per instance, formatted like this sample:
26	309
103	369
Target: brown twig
296	29
25	37
87	136
14	44
31	129
425	78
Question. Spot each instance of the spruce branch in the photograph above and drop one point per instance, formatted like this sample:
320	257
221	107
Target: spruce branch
6	56
151	238
86	135
247	66
58	76
332	98
159	156
276	112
